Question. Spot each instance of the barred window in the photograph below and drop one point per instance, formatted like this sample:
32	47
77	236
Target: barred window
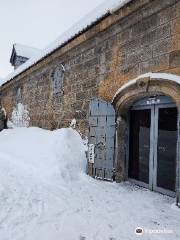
57	80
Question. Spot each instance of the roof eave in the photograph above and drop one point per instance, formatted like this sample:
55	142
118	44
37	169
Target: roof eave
62	45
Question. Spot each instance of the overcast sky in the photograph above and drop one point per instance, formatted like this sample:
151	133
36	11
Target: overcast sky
36	23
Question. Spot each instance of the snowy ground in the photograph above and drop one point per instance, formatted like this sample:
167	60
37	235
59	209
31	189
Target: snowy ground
45	194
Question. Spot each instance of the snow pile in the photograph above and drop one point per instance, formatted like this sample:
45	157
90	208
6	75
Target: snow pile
69	150
20	117
45	194
58	154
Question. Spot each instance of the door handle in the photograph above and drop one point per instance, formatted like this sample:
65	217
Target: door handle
162	148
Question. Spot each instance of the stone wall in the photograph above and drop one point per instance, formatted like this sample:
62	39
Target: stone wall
143	36
148	42
2	119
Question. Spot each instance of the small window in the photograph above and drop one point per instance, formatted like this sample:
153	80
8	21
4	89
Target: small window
57	80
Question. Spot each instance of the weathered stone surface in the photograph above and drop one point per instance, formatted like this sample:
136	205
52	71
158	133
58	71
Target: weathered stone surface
174	59
122	150
156	64
175	26
2	119
145	25
141	37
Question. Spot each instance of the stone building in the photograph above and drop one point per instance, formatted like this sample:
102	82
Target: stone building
117	73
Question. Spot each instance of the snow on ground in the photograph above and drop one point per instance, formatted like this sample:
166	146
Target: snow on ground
45	194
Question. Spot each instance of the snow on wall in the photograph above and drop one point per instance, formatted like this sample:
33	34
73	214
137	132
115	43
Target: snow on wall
20	117
108	6
73	123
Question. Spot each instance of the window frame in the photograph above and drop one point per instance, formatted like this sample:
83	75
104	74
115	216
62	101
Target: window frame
57	78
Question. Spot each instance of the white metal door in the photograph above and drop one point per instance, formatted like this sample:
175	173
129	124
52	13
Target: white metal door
102	138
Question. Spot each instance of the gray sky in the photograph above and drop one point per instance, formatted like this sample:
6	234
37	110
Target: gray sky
36	23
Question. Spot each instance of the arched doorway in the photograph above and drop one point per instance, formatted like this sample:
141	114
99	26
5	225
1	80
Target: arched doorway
152	144
158	94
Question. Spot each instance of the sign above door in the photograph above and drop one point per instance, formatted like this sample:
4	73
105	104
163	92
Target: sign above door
153	100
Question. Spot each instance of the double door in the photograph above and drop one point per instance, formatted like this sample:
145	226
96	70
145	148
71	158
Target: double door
153	143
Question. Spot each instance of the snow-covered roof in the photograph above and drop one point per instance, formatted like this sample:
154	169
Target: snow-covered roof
108	6
25	51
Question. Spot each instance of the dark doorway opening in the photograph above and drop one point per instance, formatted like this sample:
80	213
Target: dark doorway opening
152	144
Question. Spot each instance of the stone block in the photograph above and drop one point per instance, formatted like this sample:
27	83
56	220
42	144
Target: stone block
130	46
139	55
81	95
175	26
124	36
167	14
156	64
174	59
177	8
159	33
166	45
89	84
145	25
156	6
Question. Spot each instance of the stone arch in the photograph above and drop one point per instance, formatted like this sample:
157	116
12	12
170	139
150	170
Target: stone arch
146	85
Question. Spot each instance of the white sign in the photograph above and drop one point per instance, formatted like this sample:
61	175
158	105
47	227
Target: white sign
153	101
91	153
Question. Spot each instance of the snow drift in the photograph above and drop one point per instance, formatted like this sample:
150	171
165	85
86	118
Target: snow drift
45	194
59	154
36	167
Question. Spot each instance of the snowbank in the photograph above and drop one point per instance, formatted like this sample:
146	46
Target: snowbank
45	194
44	153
